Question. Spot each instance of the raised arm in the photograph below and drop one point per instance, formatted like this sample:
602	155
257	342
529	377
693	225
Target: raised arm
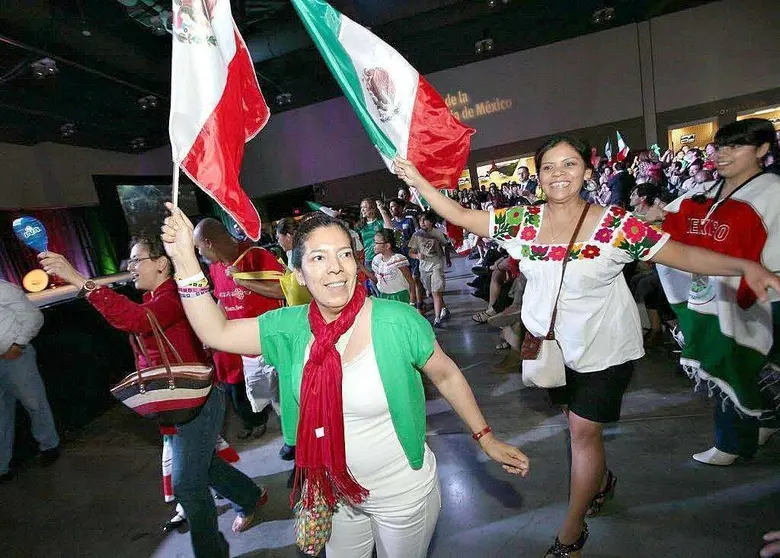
706	262
208	321
387	222
449	380
473	220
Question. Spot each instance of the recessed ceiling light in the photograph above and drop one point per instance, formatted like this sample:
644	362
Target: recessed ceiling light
67	130
43	68
86	32
148	102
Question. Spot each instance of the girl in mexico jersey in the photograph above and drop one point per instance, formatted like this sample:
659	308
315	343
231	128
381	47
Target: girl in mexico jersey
728	331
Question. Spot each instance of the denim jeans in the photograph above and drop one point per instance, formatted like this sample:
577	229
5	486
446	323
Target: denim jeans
196	467
20	380
735	434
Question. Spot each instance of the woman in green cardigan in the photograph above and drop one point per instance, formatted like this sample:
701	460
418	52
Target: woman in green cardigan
351	393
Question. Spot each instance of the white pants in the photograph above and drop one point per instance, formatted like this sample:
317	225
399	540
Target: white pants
402	533
262	384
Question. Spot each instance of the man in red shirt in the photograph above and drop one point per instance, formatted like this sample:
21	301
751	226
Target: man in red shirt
242	298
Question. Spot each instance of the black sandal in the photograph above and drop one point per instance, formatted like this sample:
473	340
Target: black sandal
603	496
560	550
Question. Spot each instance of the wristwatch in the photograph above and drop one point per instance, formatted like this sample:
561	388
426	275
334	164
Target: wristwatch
89	286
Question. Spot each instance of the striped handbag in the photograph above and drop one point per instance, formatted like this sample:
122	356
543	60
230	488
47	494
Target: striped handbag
171	393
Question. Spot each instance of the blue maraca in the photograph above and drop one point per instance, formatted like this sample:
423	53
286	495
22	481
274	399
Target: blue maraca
32	233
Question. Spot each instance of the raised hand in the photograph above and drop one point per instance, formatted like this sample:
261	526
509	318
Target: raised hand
178	240
406	171
773	546
57	264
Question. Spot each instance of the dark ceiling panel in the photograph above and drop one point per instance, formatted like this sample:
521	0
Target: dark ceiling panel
109	55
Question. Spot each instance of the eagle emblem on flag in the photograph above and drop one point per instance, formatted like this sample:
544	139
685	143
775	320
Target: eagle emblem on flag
381	89
192	21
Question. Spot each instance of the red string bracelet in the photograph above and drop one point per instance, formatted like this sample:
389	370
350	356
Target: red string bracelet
483	432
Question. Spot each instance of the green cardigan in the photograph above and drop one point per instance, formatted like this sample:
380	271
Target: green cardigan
403	342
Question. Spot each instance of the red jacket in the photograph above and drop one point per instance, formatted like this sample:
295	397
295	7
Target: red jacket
125	315
229	368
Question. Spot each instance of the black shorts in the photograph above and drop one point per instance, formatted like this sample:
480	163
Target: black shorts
596	396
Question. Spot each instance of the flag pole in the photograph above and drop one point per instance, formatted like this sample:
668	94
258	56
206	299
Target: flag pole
175	197
417	197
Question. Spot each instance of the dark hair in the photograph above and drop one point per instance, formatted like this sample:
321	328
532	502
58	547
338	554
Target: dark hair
397	201
619	166
286	226
523	167
154	246
307	226
387	236
751	131
405	188
582	148
667	196
649	191
430	215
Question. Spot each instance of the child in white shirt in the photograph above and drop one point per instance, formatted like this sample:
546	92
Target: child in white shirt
391	273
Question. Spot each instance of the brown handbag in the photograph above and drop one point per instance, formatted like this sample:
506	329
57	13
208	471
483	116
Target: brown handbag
532	345
172	393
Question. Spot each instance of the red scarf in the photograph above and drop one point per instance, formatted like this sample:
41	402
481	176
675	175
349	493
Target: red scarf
320	455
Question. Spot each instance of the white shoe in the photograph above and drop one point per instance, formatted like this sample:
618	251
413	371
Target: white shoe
764	434
714	456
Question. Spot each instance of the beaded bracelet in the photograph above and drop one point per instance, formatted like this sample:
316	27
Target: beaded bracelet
481	433
193	292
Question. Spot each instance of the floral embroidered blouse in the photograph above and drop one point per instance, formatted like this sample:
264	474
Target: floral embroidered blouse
598	322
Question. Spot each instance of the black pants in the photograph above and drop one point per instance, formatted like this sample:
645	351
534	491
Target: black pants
237	394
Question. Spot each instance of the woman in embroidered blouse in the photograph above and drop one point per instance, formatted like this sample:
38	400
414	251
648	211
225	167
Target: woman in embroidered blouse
195	465
350	390
598	325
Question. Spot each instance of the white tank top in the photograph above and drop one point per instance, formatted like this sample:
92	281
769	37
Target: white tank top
374	453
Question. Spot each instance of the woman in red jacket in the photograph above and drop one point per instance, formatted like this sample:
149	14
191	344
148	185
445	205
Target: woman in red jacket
195	466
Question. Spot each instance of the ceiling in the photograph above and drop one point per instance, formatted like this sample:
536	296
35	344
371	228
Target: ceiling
111	53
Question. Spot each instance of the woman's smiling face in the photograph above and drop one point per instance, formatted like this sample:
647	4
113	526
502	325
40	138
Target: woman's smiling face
562	173
328	269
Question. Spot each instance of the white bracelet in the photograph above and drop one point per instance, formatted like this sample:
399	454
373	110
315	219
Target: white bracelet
190	280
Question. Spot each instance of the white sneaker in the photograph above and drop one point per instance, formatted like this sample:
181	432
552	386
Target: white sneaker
714	456
764	434
445	313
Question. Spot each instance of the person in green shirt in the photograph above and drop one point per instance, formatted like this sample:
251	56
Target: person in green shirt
371	222
350	390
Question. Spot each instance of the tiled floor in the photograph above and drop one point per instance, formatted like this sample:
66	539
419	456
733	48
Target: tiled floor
103	498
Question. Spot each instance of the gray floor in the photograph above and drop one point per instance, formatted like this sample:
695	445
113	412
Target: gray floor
103	497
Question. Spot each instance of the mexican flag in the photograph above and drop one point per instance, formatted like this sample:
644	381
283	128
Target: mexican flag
623	148
608	149
403	115
314	206
216	104
727	332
